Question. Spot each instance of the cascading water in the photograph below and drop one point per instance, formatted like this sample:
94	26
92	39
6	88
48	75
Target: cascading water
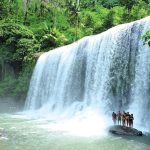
105	72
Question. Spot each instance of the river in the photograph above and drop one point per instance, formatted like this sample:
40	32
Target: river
37	134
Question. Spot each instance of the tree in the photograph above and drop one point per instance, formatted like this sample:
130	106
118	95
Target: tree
26	8
43	7
8	9
3	9
73	9
108	3
128	4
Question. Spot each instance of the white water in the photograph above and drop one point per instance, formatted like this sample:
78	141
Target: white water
92	77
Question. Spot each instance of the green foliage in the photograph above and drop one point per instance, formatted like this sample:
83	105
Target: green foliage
12	86
7	84
94	21
18	44
53	39
109	3
18	40
22	82
118	15
128	3
141	10
146	38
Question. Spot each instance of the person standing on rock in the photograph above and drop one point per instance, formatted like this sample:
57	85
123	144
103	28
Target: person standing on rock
127	118
114	117
131	118
124	118
119	117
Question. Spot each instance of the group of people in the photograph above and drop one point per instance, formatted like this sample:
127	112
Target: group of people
123	118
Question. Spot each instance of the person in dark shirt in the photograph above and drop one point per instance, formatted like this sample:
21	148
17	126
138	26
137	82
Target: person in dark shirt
131	118
127	118
124	118
114	117
119	117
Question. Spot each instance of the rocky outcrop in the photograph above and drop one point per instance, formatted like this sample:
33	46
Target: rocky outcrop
37	55
123	130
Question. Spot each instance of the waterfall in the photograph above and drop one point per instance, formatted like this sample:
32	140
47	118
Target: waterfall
108	72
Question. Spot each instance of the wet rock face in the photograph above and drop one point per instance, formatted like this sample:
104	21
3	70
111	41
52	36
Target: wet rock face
122	130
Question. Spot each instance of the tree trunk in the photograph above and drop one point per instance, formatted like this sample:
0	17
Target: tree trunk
26	7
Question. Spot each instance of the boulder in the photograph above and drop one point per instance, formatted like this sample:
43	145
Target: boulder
123	130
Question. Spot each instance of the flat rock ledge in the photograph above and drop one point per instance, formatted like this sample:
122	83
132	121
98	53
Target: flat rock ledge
123	130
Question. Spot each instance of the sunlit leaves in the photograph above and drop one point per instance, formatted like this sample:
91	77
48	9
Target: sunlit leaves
146	38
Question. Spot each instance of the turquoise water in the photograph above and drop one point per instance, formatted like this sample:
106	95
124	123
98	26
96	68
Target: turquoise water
24	134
